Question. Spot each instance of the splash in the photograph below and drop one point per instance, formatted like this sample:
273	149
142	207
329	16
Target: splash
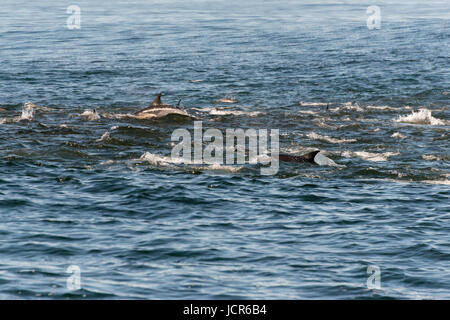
90	115
104	137
322	160
351	106
158	160
423	116
27	112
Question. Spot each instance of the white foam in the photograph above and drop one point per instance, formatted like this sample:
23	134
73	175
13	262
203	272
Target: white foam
226	100
398	135
316	136
159	160
431	157
444	182
369	156
307	112
90	115
322	124
322	160
107	162
226	112
27	112
423	116
351	106
382	108
105	136
312	104
38	108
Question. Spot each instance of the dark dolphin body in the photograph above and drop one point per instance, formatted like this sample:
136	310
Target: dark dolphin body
306	158
158	109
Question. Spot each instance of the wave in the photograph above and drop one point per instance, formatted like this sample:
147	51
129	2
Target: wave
369	156
423	116
316	136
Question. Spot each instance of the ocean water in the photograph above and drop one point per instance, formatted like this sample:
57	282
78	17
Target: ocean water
100	191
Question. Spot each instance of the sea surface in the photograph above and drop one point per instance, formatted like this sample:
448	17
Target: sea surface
99	191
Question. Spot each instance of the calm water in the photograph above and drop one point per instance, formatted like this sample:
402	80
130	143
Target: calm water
103	194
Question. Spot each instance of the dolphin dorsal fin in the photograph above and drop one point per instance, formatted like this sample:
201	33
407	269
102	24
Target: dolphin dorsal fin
157	100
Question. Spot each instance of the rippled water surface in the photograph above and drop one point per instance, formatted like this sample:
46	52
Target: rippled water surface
100	191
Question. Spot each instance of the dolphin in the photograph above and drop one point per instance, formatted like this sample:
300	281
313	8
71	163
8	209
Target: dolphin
314	157
306	158
158	110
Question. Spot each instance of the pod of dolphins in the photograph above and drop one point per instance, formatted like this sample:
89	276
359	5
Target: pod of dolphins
159	109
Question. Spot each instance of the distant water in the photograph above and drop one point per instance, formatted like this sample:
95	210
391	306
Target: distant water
102	194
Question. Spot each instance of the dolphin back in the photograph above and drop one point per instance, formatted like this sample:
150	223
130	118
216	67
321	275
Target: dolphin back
306	158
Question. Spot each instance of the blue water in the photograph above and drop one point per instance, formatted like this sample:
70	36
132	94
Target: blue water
141	227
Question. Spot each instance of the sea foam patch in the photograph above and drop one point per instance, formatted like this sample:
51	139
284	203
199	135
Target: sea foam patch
423	116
